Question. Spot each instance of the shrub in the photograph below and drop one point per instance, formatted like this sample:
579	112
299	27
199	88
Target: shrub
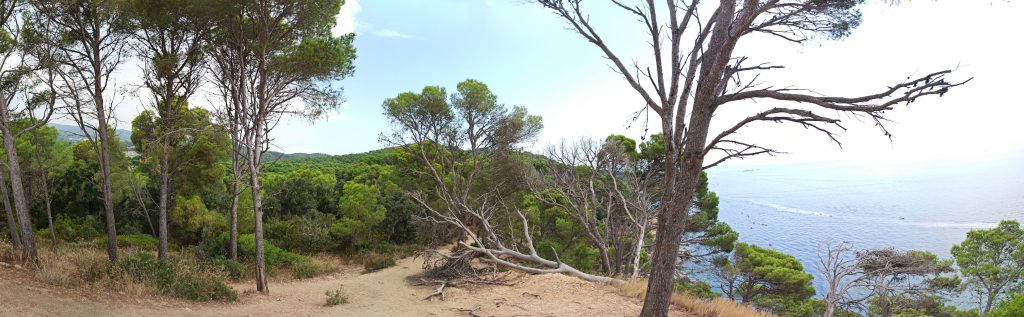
234	269
335	297
696	289
77	229
305	269
276	258
309	234
377	262
184	279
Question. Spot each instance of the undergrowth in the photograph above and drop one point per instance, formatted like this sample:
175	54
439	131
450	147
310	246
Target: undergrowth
718	307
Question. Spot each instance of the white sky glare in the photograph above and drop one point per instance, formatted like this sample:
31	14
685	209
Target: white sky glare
527	57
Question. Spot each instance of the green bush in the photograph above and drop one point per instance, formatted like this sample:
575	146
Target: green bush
696	288
77	229
1009	308
139	241
235	270
175	279
199	288
377	262
308	234
276	258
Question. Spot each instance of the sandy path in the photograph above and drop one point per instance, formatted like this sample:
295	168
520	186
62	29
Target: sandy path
384	293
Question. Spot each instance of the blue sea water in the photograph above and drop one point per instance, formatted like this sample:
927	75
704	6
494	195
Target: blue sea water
930	206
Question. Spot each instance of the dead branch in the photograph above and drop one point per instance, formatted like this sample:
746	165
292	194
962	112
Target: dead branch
471	312
439	293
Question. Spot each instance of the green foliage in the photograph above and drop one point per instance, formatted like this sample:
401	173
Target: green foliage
192	222
299	192
787	306
1013	307
80	229
758	274
234	269
920	305
628	145
309	233
276	258
555	231
75	192
992	260
698	289
360	216
705	234
197	145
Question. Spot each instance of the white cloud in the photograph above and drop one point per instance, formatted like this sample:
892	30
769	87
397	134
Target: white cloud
391	33
345	22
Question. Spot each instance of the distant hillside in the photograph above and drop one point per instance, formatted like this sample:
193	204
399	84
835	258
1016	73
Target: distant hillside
72	133
273	156
290	162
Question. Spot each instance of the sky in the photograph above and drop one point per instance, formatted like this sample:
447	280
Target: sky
528	57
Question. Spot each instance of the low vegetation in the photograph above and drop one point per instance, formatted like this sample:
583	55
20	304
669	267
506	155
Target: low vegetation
703	307
336	297
135	273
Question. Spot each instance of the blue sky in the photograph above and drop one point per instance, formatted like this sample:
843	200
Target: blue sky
528	57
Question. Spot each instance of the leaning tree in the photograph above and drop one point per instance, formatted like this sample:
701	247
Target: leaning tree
21	76
455	141
696	71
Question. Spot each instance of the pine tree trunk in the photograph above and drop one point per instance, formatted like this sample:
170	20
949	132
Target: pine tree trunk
165	181
12	221
233	240
257	204
28	237
44	175
104	156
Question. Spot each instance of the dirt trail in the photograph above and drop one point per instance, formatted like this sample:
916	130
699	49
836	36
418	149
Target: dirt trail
384	293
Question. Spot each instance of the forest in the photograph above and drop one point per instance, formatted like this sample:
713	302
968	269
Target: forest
192	200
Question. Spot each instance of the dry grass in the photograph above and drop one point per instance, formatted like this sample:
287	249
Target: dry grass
82	265
701	307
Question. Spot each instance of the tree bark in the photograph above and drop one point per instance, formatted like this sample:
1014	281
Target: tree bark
44	175
165	177
165	183
233	239
28	237
639	251
257	205
108	191
12	221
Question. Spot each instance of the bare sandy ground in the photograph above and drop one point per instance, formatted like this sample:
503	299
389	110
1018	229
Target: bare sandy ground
383	293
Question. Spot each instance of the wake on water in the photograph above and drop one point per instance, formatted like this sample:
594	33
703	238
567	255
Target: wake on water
899	221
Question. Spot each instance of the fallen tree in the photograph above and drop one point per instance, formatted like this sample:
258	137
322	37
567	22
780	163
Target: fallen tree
450	141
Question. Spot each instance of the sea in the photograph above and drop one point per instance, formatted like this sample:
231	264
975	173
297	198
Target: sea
921	205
